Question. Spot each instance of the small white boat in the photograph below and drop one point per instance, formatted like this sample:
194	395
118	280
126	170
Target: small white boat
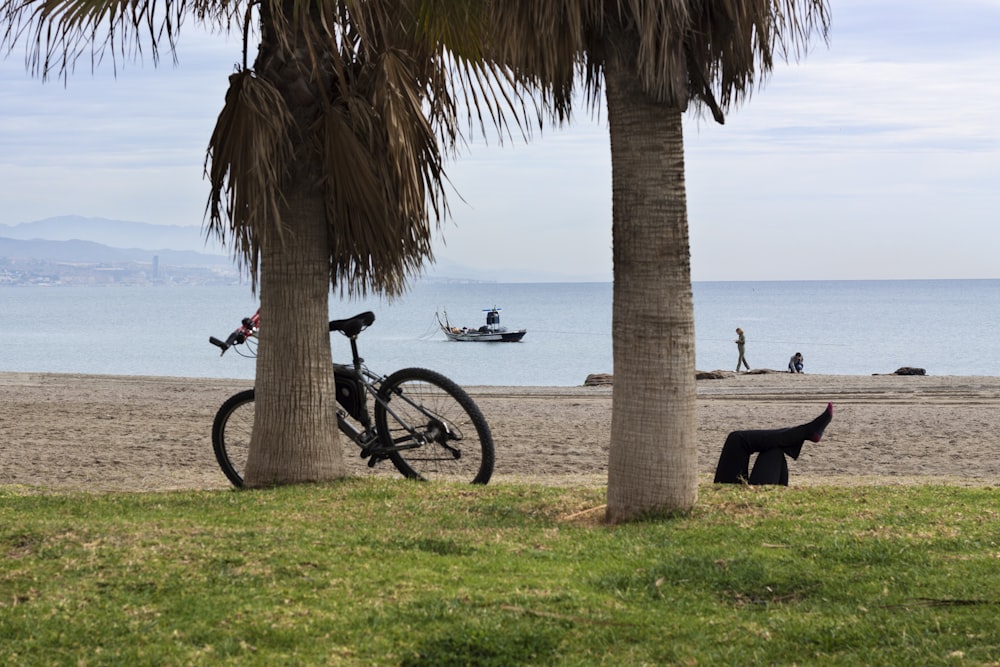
491	332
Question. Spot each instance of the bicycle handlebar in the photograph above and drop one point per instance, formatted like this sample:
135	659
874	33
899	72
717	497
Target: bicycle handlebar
234	338
246	330
350	327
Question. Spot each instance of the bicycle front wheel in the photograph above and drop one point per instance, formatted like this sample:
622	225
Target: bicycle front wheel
231	435
432	428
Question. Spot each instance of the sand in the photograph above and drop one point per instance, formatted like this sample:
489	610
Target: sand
123	433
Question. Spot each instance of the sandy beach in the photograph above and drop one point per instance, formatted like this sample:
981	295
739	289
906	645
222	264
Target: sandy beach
123	433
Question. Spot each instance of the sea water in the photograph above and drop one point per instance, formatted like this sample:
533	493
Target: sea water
948	327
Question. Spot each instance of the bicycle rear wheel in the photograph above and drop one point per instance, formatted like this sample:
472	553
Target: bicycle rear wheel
446	435
231	435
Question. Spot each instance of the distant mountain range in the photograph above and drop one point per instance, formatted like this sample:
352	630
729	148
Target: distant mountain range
88	252
73	250
76	239
79	239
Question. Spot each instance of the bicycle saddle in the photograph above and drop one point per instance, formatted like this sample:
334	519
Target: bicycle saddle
352	326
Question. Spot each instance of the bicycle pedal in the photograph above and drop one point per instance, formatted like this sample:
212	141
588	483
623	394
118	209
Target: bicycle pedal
369	443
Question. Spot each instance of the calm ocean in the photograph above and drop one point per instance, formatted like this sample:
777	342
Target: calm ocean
948	327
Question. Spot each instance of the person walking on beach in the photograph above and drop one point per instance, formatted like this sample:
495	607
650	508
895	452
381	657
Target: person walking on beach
796	363
771	447
741	344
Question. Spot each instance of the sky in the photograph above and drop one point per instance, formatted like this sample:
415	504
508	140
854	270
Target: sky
875	156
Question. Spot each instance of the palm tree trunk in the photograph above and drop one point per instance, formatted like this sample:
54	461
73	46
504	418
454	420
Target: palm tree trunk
295	437
652	465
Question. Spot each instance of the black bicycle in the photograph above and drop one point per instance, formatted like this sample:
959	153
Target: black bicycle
425	424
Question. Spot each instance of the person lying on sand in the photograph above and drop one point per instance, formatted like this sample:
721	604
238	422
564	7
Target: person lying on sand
771	447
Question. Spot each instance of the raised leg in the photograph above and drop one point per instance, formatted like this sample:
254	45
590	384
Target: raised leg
734	460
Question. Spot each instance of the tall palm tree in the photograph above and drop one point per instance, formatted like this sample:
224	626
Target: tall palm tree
654	58
326	164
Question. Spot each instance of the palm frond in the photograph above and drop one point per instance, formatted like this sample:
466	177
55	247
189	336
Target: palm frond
383	179
732	45
709	52
546	45
249	157
57	33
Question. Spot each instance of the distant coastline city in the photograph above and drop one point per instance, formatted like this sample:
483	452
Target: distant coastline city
72	250
77	250
39	272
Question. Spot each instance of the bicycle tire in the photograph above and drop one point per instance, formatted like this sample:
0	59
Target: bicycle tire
231	431
461	451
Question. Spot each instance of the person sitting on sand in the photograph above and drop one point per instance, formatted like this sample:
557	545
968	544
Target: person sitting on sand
771	447
796	363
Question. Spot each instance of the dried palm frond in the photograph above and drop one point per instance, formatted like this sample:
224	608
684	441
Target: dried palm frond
249	157
732	45
383	179
57	33
708	52
391	92
545	44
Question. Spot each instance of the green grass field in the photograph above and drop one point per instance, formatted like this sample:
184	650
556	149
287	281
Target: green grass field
370	572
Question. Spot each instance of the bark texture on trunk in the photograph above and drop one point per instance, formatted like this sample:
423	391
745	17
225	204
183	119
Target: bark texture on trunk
295	437
652	465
